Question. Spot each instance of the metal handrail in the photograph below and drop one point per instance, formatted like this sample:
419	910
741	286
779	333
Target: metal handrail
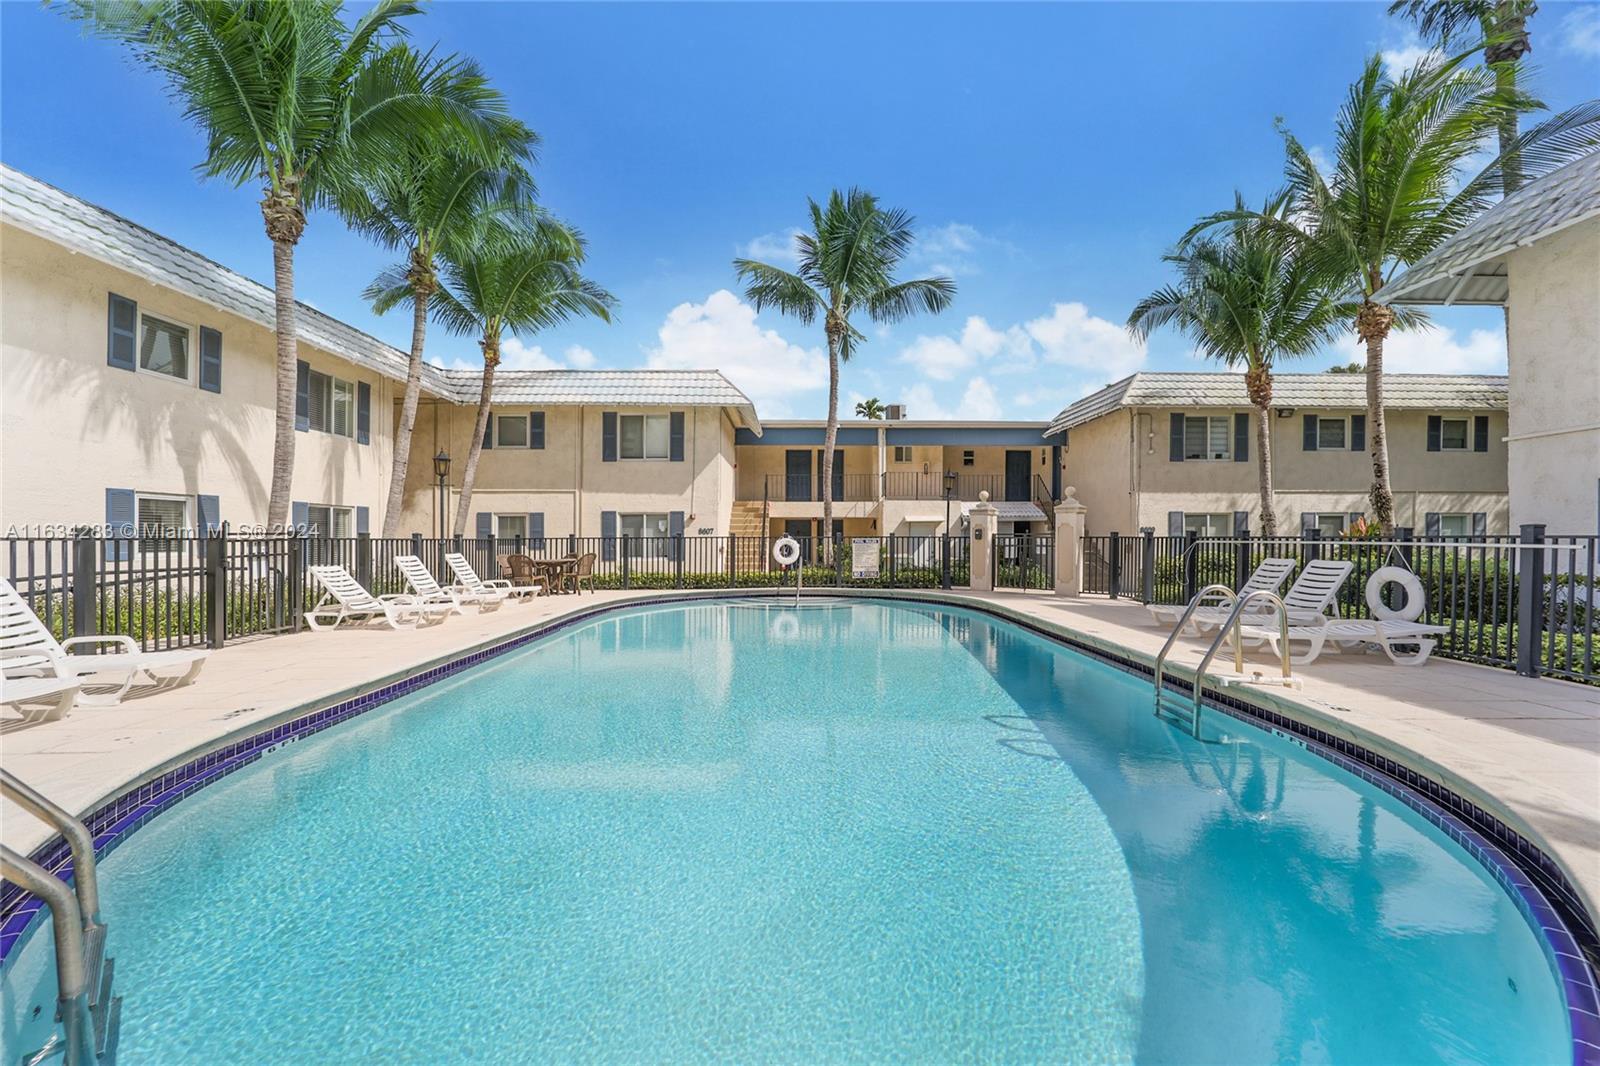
85	879
72	970
1237	606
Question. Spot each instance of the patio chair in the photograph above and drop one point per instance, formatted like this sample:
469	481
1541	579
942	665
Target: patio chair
28	649
525	574
1348	634
344	600
1269	576
427	589
58	693
1310	597
467	580
582	571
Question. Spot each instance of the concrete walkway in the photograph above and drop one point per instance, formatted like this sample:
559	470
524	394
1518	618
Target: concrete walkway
1526	750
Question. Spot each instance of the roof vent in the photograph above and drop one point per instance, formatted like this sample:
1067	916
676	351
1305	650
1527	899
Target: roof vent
895	412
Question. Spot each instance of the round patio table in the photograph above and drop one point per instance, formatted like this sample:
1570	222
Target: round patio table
554	570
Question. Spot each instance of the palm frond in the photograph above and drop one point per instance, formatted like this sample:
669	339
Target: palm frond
767	286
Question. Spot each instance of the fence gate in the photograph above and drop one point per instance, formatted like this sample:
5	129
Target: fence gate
1024	561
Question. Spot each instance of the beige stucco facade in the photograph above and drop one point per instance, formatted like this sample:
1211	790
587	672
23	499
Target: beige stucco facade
1121	467
73	426
1554	363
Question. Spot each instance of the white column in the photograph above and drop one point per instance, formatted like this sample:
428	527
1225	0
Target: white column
985	520
1070	518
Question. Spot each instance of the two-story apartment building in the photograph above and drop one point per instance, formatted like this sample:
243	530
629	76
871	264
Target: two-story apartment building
901	477
1174	451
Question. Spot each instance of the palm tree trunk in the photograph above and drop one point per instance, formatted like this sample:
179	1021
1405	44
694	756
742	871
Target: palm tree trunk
408	416
1269	510
491	357
288	362
1372	325
826	534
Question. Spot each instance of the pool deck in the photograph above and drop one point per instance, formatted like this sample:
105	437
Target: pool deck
1526	750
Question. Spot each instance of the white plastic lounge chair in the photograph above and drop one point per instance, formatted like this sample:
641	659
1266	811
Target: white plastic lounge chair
1269	576
344	600
468	581
59	692
1353	633
28	649
1308	600
428	590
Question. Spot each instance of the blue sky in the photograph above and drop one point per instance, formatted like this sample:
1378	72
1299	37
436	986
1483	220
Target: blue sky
1049	152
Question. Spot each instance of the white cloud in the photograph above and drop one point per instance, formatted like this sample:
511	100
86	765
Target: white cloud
1398	60
978	403
1070	336
776	248
953	249
579	358
515	355
722	334
943	357
1438	351
1324	162
1580	30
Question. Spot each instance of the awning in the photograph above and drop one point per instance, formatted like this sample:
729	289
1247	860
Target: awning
1011	510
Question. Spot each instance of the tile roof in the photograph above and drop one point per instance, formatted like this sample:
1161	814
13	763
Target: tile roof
1469	267
90	230
1345	391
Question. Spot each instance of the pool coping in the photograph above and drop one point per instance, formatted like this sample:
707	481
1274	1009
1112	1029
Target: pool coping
1530	876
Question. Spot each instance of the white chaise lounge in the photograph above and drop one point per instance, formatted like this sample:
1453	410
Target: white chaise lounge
1352	633
427	588
1310	598
344	600
28	649
57	693
468	581
1269	576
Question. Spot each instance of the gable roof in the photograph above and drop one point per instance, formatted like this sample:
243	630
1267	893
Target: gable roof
90	230
1431	392
1470	267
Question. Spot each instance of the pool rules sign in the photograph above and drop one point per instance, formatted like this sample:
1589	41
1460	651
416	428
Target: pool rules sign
864	558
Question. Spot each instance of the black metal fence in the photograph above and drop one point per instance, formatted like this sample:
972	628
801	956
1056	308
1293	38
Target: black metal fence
1024	561
1528	603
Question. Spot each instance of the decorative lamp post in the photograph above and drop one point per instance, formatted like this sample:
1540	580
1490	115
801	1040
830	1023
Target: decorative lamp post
441	473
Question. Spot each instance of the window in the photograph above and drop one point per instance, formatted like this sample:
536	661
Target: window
1455	525
510	526
1208	525
647	535
333	404
1454	436
344	408
968	459
902	453
1330	524
164	348
327	520
511	431
645	436
160	520
1331	434
1207	437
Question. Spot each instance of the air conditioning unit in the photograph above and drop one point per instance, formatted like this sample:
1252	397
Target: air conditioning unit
895	412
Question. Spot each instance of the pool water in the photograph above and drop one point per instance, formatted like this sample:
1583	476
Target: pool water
857	832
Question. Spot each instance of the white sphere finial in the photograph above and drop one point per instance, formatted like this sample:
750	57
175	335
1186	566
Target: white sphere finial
983	496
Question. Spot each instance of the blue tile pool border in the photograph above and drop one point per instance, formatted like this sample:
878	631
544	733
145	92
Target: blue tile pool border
1532	879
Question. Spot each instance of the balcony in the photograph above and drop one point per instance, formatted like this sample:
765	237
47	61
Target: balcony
801	488
916	485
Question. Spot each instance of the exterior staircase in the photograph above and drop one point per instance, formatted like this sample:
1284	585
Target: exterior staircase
748	519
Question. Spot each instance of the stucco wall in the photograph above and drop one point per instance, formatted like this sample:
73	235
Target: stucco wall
756	462
1554	454
72	426
1102	466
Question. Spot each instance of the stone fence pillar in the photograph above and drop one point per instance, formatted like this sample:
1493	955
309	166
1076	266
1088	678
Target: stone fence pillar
985	519
1070	518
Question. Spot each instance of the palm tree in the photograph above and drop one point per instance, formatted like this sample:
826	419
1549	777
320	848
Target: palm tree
847	264
422	203
292	95
869	408
517	276
1501	30
1246	298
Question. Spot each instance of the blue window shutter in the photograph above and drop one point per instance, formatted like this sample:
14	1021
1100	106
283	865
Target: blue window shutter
300	516
207	520
1480	524
1430	524
608	534
119	524
536	429
1174	523
536	531
1175	438
1435	431
485	522
122	332
675	530
363	413
1241	523
302	395
675	436
210	359
488	432
1241	438
363	520
608	437
1308	433
1358	433
1480	433
1308	523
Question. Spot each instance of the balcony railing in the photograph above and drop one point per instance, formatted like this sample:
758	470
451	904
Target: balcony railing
904	485
935	485
785	488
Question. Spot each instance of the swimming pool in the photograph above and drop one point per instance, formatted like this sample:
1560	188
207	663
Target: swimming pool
858	831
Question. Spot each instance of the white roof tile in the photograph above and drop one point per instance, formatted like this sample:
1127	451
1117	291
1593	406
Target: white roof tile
1469	267
90	230
1318	391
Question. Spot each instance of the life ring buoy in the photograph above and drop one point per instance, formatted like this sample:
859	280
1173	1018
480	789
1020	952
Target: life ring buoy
785	627
786	551
1411	610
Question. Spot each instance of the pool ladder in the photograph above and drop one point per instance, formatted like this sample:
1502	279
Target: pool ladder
90	1016
1237	606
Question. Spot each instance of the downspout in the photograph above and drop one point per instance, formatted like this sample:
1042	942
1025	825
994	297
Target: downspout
577	485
